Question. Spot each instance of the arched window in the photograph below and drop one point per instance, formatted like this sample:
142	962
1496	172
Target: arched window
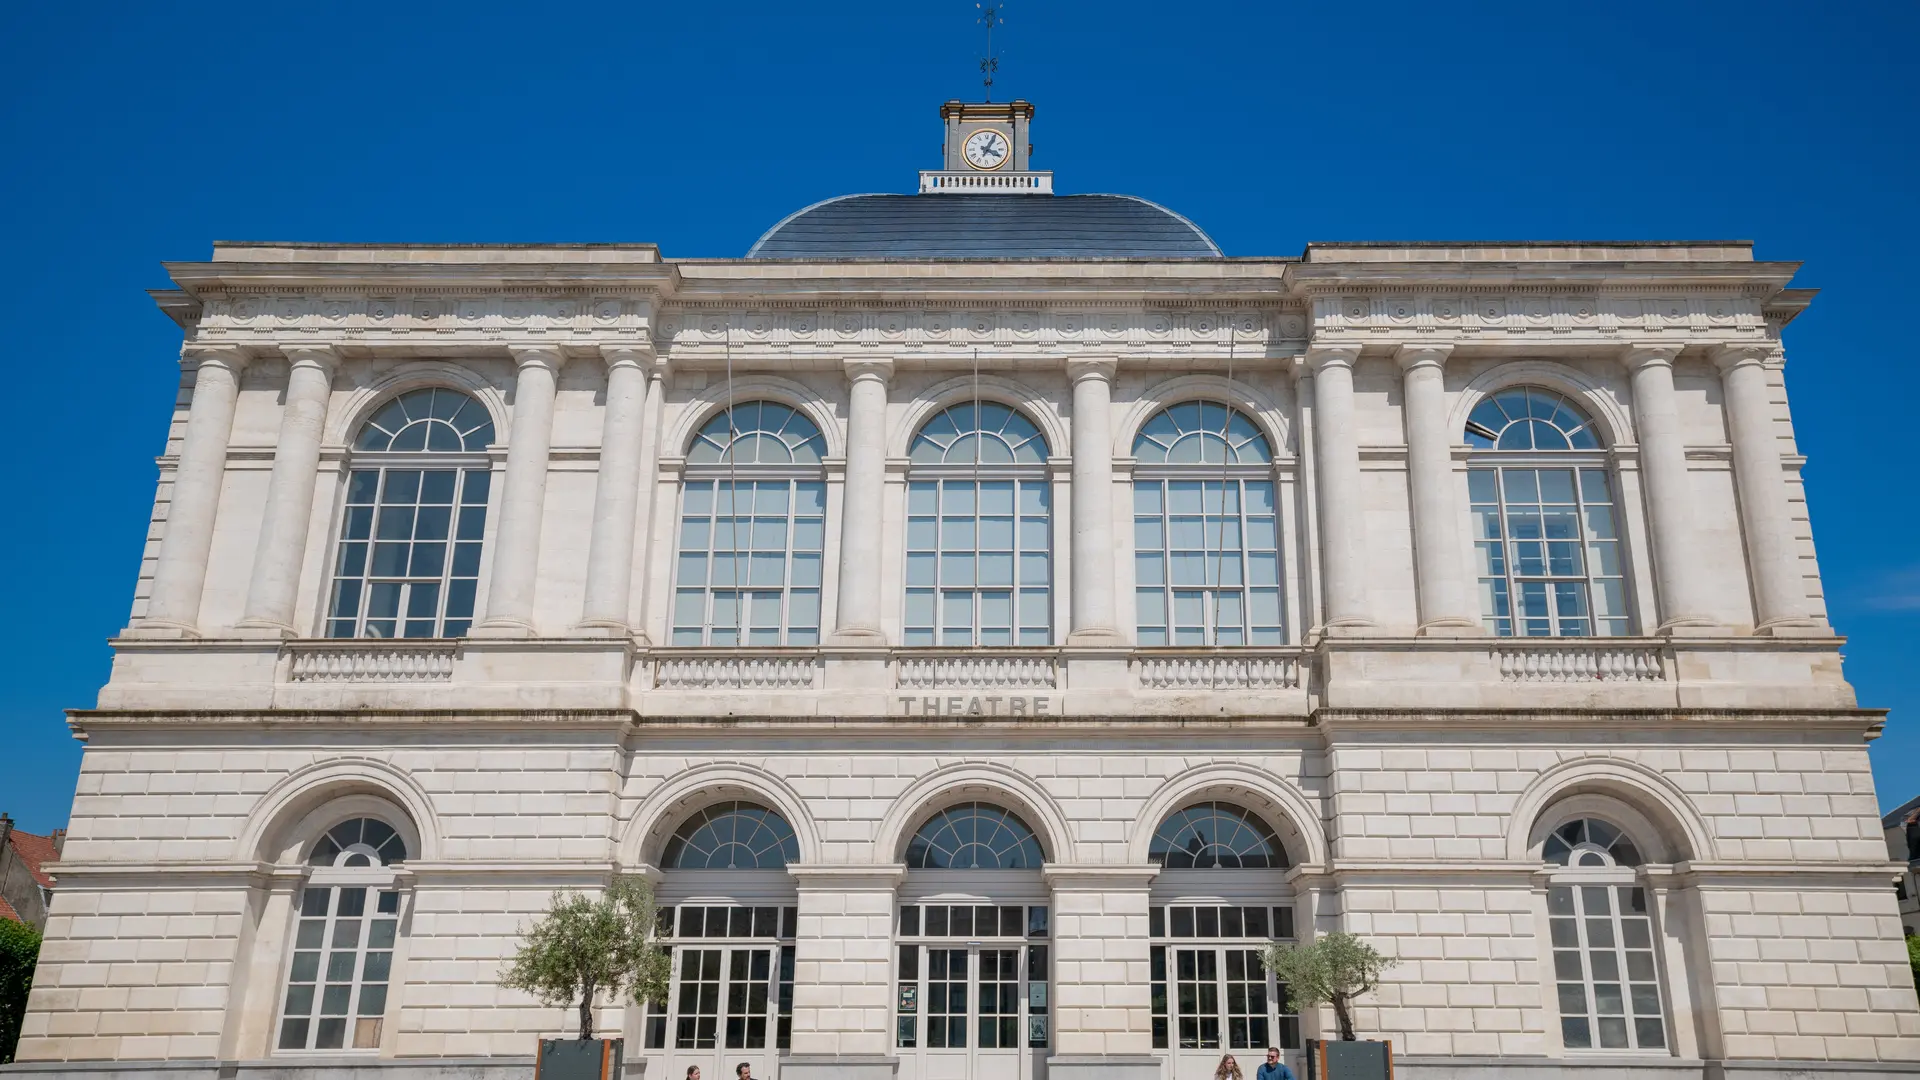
1216	835
732	836
1605	966
1205	536
752	530
409	555
1545	525
974	836
342	955
979	532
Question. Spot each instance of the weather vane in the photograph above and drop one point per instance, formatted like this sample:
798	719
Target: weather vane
989	18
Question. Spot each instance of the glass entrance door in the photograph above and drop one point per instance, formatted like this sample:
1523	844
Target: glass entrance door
1215	997
971	1011
730	1001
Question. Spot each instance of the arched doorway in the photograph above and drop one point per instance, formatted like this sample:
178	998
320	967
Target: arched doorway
1219	899
973	974
728	909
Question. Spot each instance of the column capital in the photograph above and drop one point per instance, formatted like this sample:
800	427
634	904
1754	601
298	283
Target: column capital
1413	356
1636	357
325	357
1092	367
1321	356
1099	877
547	356
639	355
232	357
869	367
847	877
1727	356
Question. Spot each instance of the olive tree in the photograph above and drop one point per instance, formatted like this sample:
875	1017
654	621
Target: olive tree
1335	968
586	946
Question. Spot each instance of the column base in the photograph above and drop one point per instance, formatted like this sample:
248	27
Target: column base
1103	1067
1349	628
860	636
1097	637
502	628
262	630
1794	628
1691	626
161	630
1451	628
606	628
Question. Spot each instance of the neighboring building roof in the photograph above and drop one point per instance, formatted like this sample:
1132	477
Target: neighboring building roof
36	852
985	227
7	912
1898	815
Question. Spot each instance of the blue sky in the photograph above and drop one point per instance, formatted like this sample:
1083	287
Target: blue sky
142	134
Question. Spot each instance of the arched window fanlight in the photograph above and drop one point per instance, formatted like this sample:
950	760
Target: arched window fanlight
1213	835
435	419
1530	418
974	836
1545	524
983	433
732	836
1587	842
758	433
358	842
1201	433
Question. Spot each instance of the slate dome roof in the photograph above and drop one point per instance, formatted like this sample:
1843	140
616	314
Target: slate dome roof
942	226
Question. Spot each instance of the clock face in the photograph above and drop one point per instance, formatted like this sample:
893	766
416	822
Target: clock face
986	149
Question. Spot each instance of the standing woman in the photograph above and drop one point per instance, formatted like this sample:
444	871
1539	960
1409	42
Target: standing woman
1229	1069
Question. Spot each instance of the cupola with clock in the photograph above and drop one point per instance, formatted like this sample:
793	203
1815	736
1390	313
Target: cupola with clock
987	152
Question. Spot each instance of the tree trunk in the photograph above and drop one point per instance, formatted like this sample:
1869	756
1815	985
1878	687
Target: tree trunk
586	1012
1341	1016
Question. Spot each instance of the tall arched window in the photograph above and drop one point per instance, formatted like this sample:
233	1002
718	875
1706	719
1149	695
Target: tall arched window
1546	532
979	533
752	530
1208	989
1206	539
409	555
1604	962
342	955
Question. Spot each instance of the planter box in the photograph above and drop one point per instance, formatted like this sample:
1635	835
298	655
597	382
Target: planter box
1360	1060
579	1059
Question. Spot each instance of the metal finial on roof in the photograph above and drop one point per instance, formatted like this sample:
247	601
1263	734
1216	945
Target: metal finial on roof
989	17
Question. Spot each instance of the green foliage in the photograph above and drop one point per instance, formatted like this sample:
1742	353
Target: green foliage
586	946
19	951
1913	958
1335	968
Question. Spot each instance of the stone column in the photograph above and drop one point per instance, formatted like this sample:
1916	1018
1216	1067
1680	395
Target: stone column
1102	1010
856	616
516	543
1678	574
1439	567
180	574
843	990
274	588
1091	604
616	493
1773	559
1336	446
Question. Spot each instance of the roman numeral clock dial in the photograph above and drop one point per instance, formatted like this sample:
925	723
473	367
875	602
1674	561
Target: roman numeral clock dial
987	149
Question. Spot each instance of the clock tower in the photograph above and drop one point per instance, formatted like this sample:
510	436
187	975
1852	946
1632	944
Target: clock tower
986	152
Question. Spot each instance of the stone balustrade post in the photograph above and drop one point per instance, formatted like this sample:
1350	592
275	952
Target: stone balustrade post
856	615
516	551
617	491
1092	601
273	592
180	572
1439	567
1678	568
1343	540
1773	557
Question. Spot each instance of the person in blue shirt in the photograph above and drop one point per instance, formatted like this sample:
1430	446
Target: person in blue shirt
1273	1068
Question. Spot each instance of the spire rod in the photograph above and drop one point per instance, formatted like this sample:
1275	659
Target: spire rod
989	64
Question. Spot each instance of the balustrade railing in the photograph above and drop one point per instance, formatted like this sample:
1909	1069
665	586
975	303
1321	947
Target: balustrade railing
729	671
1217	669
372	660
1564	661
968	670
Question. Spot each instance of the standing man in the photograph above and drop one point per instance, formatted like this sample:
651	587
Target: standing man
1273	1068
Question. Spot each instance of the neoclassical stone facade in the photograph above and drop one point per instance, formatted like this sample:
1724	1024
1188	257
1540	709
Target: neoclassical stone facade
984	656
